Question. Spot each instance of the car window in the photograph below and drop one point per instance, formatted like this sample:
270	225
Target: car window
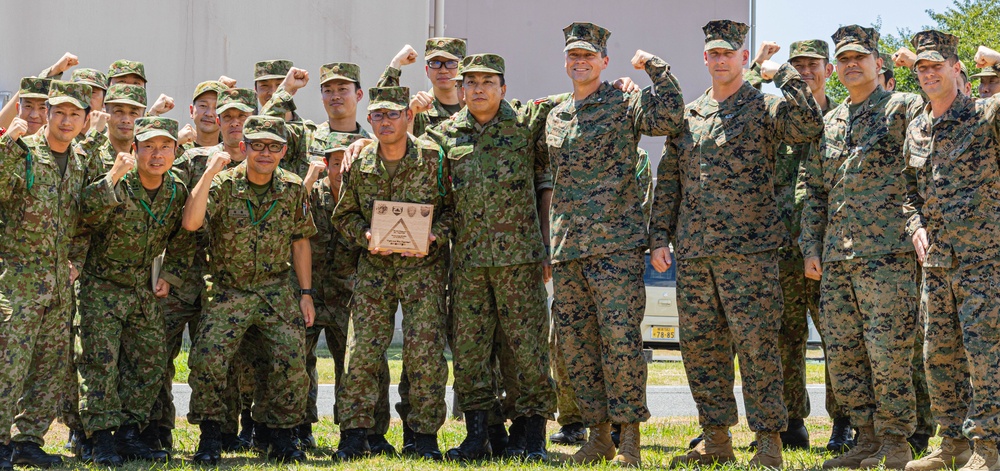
655	278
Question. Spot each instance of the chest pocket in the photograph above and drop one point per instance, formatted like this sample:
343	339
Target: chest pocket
728	131
126	240
464	170
510	162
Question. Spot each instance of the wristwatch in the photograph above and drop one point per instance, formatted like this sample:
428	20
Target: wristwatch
310	292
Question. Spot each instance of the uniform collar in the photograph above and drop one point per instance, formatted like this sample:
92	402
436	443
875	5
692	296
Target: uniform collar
465	120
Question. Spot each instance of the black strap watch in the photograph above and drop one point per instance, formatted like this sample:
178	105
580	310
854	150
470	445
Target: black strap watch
310	292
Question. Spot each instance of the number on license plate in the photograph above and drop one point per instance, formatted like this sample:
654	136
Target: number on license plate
664	333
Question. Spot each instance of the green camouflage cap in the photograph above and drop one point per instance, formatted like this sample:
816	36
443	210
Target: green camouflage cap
152	126
334	141
123	67
126	94
965	70
855	38
340	71
934	46
35	87
265	127
209	86
488	63
586	36
987	72
92	77
725	34
76	94
816	48
388	98
449	48
267	70
243	99
887	62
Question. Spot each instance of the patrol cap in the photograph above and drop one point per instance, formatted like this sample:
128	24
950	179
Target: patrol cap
126	94
35	87
265	127
586	36
389	98
989	71
274	69
725	34
935	46
151	126
92	77
76	94
855	38
486	63
965	70
449	48
340	71
334	142
243	99
123	67
815	48
887	62
209	86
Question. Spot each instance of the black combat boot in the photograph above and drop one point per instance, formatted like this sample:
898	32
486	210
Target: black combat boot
231	443
247	428
498	438
303	435
166	437
261	438
209	445
476	445
378	445
515	442
73	441
842	436
353	444
426	445
83	447
616	435
570	434
918	441
30	454
105	452
534	438
409	441
5	463
130	446
796	437
151	437
283	448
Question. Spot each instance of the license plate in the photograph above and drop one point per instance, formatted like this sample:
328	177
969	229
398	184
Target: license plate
664	333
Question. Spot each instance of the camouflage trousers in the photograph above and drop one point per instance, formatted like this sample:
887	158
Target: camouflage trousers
569	412
599	303
34	349
121	335
962	306
869	308
70	413
377	294
728	304
509	300
926	424
271	312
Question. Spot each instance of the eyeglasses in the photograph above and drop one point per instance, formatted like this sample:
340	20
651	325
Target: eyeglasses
380	115
446	64
259	146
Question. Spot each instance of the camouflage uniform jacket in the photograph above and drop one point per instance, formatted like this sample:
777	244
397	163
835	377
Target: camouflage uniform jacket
854	191
596	202
417	180
335	259
496	171
299	132
953	182
423	119
323	138
250	239
125	238
39	210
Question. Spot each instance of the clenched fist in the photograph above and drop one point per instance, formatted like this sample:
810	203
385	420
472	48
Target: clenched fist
421	102
64	63
986	57
640	58
768	69
316	167
766	51
295	79
162	106
218	162
18	127
904	58
187	134
123	163
229	82
406	56
98	121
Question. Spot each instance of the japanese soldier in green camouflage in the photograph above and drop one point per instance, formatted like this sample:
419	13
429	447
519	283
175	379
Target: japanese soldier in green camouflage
442	57
31	103
276	100
989	81
202	108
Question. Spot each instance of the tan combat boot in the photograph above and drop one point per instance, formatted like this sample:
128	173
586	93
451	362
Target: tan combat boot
954	452
717	447
768	453
628	446
865	446
984	457
598	448
894	453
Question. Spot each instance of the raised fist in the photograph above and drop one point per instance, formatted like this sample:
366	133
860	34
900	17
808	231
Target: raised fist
18	127
295	79
186	134
99	120
229	82
640	58
768	68
904	58
986	57
123	163
421	102
406	56
218	162
316	167
163	105
766	50
64	63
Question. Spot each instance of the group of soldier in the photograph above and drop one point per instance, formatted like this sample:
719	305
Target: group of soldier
252	230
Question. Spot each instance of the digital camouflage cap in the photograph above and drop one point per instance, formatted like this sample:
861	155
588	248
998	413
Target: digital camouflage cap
389	98
274	69
887	62
76	94
935	46
486	63
340	71
449	48
989	71
265	127
123	67
151	126
34	87
586	36
725	34
92	77
209	86
855	38
815	48
126	94
243	99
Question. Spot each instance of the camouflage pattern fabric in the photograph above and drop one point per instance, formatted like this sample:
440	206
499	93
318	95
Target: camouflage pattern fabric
272	69
569	412
92	77
725	34
299	132
448	48
423	120
123	67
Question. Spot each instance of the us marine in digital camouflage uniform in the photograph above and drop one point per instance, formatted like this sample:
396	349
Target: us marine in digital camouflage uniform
276	100
394	168
868	293
38	176
952	200
133	216
257	219
598	235
727	262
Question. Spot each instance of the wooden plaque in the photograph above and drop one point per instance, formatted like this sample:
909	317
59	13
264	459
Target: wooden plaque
401	227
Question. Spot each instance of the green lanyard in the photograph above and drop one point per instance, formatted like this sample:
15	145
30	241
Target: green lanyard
162	219
29	171
254	222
